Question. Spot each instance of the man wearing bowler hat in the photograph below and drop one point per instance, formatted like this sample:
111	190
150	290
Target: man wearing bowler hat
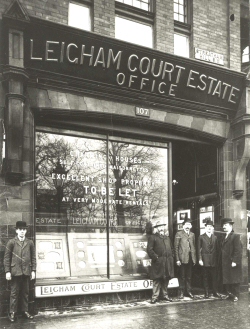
231	260
20	266
161	252
207	254
185	254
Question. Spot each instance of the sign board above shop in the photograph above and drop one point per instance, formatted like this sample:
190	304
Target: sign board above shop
116	68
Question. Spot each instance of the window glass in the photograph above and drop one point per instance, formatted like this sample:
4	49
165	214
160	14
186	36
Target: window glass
180	11
134	32
181	45
79	16
245	55
142	4
79	189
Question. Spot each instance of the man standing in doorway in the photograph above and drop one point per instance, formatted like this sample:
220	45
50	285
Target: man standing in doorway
20	266
231	260
207	255
161	252
185	254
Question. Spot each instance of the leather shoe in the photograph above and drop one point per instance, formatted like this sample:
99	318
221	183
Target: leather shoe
189	294
180	294
12	317
167	299
27	315
216	294
153	301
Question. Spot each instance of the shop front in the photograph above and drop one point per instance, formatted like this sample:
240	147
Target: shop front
113	136
83	180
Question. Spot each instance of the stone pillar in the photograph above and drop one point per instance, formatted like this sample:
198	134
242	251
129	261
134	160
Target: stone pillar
16	202
235	155
14	115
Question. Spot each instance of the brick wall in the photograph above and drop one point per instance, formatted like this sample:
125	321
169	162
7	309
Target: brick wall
210	29
104	17
164	26
210	23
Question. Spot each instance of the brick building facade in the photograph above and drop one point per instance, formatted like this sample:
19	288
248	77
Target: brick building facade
47	93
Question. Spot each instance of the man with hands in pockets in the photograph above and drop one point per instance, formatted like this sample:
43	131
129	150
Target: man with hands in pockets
208	250
161	252
231	260
185	254
20	266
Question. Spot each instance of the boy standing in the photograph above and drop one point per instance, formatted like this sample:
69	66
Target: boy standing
20	266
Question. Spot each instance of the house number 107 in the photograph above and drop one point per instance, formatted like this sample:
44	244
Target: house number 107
142	112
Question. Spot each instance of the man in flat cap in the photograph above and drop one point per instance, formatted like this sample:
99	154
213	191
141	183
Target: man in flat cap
161	252
208	249
231	260
185	254
20	267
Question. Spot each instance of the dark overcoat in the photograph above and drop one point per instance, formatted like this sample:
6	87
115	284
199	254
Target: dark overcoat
161	252
183	245
231	251
20	259
208	250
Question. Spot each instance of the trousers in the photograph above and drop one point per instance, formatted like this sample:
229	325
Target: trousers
19	288
159	284
233	288
209	271
185	276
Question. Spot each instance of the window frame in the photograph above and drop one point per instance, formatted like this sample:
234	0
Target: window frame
104	136
136	14
187	46
85	3
151	5
185	28
185	14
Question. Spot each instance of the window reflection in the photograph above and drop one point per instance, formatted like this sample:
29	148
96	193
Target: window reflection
76	195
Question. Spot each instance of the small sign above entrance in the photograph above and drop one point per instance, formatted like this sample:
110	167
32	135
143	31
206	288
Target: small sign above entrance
140	111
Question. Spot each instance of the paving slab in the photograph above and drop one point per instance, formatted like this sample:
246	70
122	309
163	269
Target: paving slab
212	313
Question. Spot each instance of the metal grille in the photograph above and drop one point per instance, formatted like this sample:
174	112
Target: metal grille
180	10
142	4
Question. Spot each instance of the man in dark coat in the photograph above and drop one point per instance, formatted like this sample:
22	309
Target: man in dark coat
207	254
231	260
185	254
162	267
20	266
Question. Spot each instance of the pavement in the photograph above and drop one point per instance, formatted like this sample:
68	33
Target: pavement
212	313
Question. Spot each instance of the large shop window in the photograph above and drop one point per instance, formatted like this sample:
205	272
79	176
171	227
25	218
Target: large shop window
94	197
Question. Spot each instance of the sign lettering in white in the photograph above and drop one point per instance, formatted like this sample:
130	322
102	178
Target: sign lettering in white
209	56
142	111
96	287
